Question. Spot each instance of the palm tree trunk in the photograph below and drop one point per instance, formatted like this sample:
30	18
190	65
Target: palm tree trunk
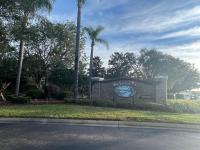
21	56
77	53
90	74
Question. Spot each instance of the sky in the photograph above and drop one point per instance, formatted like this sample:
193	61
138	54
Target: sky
170	26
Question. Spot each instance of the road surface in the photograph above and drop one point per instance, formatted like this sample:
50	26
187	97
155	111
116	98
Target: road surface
32	136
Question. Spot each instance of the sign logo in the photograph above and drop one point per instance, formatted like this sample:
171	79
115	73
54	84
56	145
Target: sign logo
124	90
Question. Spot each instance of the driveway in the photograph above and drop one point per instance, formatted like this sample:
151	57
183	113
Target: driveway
50	136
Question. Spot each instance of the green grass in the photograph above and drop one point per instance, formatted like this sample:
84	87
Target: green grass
90	112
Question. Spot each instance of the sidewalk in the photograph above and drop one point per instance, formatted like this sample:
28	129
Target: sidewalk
118	124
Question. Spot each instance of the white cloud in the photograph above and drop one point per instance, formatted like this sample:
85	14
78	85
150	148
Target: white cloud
189	52
190	47
93	6
159	22
195	31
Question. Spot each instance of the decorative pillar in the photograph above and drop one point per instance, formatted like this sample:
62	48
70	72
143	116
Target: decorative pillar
161	89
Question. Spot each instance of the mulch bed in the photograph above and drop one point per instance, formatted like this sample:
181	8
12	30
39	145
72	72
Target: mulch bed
4	103
40	102
36	102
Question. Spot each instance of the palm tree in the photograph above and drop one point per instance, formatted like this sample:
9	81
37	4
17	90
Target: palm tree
94	36
77	50
27	10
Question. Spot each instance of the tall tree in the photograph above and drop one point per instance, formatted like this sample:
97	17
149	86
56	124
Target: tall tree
98	70
26	10
4	42
94	37
51	45
77	51
123	65
6	15
181	75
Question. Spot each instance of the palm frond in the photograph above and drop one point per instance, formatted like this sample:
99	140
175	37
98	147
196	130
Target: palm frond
90	31
97	31
44	4
3	88
94	34
82	2
31	6
104	42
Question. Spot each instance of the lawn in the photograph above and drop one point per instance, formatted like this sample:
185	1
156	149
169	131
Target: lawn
91	112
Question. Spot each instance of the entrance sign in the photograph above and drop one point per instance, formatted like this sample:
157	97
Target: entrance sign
131	91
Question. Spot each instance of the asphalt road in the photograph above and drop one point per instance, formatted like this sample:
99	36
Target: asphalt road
31	136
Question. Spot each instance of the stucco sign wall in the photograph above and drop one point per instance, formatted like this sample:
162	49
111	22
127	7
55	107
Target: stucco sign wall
133	90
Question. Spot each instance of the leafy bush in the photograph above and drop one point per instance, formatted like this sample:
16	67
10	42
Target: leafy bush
35	94
59	96
110	103
105	103
68	101
63	95
184	106
68	94
53	91
18	99
179	96
153	107
31	87
170	96
80	101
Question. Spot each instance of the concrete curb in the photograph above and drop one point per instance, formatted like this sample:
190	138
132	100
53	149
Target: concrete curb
119	124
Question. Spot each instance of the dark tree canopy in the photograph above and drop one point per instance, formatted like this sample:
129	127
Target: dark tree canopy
151	63
122	65
51	45
181	75
98	70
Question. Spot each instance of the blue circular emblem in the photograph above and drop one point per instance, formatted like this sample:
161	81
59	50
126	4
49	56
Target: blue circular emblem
124	91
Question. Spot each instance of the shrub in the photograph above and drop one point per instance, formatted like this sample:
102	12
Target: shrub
80	101
170	96
53	91
68	94
35	94
184	106
179	96
31	87
84	102
153	107
105	103
18	99
110	103
59	96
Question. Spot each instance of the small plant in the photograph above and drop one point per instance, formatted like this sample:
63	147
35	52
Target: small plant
4	86
184	106
35	94
68	94
19	99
